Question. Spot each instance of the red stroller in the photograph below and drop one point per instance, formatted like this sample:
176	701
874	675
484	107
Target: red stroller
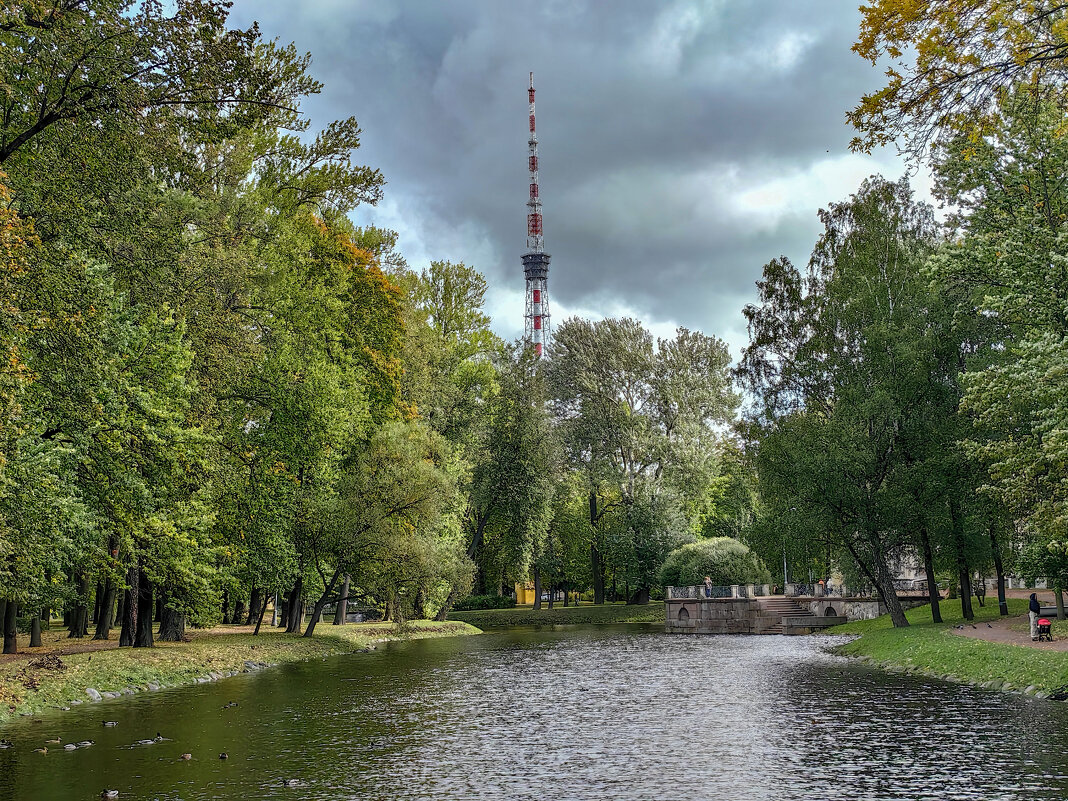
1045	630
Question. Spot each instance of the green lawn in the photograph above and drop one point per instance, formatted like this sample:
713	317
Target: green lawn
44	682
583	614
933	649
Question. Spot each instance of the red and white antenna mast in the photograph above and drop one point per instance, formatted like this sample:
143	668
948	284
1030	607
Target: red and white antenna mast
535	260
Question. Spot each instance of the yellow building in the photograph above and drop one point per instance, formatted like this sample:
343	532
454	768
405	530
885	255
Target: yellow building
524	594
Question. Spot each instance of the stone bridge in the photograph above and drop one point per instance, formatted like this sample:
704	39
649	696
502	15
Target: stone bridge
751	609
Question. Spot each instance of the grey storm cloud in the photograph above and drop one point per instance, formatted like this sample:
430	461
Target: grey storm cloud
683	144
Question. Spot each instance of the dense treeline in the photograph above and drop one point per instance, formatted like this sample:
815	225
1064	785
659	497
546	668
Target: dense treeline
216	390
909	386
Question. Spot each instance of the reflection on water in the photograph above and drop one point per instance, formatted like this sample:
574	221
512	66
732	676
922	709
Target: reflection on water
620	713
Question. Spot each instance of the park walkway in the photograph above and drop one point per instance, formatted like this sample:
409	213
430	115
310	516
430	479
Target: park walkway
1015	631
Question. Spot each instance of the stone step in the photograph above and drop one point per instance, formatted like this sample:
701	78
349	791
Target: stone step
779	608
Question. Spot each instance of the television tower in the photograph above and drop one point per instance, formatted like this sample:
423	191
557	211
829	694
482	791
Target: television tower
535	260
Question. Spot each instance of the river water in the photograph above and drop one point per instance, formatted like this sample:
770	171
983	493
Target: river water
623	712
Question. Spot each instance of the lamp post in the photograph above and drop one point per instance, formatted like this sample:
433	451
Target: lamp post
785	573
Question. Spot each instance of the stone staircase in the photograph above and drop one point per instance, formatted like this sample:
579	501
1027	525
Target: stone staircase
773	610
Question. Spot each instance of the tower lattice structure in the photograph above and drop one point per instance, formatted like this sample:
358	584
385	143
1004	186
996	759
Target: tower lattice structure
536	328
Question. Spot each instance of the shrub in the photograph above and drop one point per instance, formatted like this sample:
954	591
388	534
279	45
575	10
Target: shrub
484	602
723	559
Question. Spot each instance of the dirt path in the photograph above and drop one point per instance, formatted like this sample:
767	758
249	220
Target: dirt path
1015	631
56	643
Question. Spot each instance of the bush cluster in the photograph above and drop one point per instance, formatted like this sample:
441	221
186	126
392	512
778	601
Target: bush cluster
723	559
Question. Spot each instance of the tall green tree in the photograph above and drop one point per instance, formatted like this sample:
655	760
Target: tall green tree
638	423
842	364
1009	262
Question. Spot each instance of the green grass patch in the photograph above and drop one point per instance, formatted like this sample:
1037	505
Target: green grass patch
45	682
560	615
933	649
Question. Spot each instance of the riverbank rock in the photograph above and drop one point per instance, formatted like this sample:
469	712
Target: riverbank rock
93	694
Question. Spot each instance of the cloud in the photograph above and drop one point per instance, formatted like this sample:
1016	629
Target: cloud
683	144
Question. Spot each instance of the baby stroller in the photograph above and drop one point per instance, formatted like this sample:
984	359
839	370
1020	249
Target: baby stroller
1045	630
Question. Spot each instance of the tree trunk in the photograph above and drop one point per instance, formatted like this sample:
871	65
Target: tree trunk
226	606
446	607
158	616
129	607
965	591
296	606
387	614
878	573
263	609
597	568
119	607
963	572
398	614
274	609
239	613
1058	598
258	597
537	587
641	596
98	602
889	594
35	632
324	599
145	608
596	564
342	603
999	569
11	610
565	586
419	607
283	618
929	571
104	620
79	619
172	626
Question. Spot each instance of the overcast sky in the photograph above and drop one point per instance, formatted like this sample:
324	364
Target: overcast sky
682	144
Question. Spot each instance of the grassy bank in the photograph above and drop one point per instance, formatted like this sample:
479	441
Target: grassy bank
560	615
47	681
934	650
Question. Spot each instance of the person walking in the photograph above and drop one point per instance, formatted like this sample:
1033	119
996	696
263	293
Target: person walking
1033	610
